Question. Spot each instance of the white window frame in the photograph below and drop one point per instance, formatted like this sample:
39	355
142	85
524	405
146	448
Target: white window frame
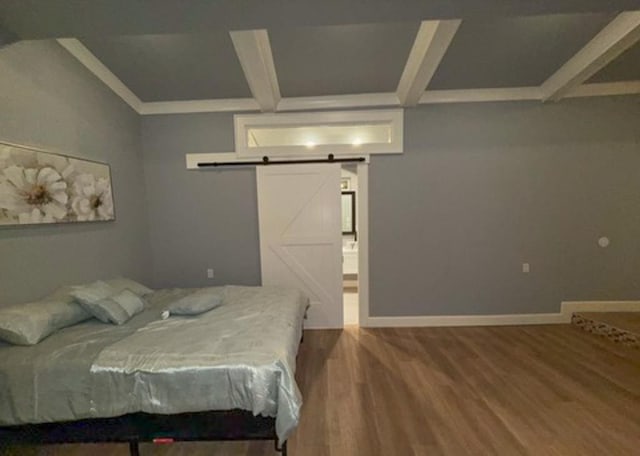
393	117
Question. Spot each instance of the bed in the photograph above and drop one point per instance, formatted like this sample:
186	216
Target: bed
225	374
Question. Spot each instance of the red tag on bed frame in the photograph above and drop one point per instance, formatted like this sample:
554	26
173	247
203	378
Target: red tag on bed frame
163	440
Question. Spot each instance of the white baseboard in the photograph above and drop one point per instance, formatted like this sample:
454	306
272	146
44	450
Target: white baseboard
567	309
464	320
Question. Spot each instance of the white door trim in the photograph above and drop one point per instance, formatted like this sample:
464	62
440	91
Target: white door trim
362	206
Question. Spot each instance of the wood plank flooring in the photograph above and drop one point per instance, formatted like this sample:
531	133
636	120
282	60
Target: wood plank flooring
537	390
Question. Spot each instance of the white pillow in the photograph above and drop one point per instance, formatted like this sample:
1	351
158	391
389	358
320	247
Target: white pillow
106	303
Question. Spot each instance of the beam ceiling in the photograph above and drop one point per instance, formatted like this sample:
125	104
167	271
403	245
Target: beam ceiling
39	19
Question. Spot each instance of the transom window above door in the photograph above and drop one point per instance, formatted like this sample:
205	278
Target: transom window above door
317	133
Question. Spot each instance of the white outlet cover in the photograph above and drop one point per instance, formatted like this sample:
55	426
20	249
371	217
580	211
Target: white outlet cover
603	242
525	267
210	273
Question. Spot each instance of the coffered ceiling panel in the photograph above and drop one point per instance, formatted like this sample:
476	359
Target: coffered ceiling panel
514	52
338	60
624	68
174	67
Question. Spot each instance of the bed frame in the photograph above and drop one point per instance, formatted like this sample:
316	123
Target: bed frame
143	427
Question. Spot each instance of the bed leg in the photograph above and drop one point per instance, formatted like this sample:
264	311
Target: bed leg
282	449
134	450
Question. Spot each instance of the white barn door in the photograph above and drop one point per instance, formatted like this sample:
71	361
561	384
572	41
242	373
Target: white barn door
300	235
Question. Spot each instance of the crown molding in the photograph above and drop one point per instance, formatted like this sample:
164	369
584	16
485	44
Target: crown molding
481	95
195	106
91	62
360	100
604	89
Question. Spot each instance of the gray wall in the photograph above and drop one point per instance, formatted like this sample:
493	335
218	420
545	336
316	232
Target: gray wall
199	219
49	100
481	189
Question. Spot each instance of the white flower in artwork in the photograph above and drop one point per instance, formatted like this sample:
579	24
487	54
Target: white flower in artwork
91	198
33	195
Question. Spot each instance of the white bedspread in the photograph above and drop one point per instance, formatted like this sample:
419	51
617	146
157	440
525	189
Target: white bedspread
239	355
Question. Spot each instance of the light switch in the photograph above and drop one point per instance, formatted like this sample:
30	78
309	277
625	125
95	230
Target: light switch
210	273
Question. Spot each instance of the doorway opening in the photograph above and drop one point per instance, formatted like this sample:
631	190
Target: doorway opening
350	256
301	240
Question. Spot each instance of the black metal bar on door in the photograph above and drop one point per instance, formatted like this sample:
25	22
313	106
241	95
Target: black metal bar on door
265	161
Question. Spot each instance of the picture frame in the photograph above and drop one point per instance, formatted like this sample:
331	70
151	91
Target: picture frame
42	187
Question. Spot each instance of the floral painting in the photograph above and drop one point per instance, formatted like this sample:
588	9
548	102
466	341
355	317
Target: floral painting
41	187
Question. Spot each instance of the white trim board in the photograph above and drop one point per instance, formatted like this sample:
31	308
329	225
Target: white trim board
195	106
619	35
388	99
362	206
254	52
562	317
317	103
91	62
360	100
602	89
481	95
431	44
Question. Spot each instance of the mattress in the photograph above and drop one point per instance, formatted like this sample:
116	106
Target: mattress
240	355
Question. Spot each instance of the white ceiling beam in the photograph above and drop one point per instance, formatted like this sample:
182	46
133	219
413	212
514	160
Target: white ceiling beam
254	52
84	56
194	106
360	100
481	95
431	43
602	89
388	99
619	35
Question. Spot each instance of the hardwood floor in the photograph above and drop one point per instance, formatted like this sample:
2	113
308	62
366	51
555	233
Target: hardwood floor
537	390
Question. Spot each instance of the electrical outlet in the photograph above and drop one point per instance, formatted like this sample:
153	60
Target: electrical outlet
525	268
210	273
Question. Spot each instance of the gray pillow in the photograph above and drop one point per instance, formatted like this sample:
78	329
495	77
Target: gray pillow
28	324
129	301
107	304
107	310
92	292
196	303
122	283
